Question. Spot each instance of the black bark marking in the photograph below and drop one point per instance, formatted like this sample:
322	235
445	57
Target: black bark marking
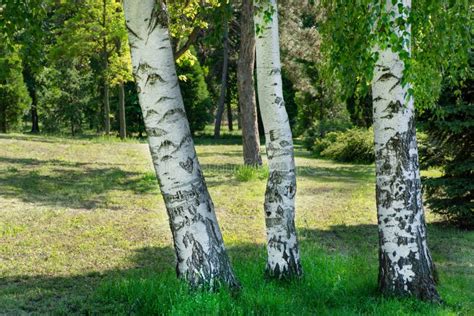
388	76
405	187
382	67
162	99
153	78
129	29
155	131
394	107
275	71
159	17
377	99
176	111
285	143
150	113
145	67
188	165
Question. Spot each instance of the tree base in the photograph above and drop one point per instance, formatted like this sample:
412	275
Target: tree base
293	272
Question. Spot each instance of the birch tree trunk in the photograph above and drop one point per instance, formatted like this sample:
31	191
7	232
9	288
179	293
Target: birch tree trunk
406	267
246	87
201	257
283	253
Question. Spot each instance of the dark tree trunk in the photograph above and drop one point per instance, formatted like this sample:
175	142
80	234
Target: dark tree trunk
230	119
221	104
106	68
3	120
246	87
122	118
34	118
106	109
31	86
239	118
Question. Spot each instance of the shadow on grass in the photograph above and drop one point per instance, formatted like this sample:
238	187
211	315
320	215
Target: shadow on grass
349	173
340	267
70	184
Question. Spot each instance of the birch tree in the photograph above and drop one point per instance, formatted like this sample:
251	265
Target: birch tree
282	245
406	267
201	256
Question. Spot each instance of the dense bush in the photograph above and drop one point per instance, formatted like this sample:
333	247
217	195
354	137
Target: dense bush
353	145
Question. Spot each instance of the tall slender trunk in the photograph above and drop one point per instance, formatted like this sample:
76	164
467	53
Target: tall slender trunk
246	87
405	264
239	118
225	68
201	256
3	119
34	117
230	123
31	86
283	253
105	70
122	118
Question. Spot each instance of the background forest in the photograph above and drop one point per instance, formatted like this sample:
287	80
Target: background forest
66	81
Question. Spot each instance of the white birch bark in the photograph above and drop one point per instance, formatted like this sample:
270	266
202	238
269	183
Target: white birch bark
201	256
406	266
283	253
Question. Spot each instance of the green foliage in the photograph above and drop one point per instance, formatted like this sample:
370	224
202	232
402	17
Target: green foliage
248	173
353	145
450	140
196	98
65	97
440	44
14	98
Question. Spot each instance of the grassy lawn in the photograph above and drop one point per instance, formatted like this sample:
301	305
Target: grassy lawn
83	230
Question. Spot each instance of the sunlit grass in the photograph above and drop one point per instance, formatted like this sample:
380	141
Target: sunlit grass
83	230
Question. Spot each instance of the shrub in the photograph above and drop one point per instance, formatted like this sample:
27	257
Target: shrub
353	145
249	173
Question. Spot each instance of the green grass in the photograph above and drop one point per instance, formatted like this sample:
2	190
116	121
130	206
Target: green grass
83	230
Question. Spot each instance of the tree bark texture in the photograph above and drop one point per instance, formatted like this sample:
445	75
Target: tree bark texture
122	117
225	68
106	91
3	119
246	87
406	267
283	253
201	257
31	84
230	119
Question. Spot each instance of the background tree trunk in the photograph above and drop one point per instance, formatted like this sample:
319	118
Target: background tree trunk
230	119
406	267
283	253
3	119
31	86
106	68
225	68
201	256
246	87
122	118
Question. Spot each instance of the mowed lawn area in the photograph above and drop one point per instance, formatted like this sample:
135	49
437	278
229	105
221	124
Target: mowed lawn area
83	230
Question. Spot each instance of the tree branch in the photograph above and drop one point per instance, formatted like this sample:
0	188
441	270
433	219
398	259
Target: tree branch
191	40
